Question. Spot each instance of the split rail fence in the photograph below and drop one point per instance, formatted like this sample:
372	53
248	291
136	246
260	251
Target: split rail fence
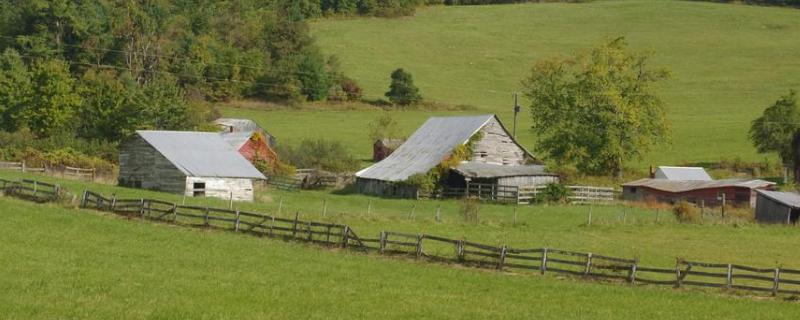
435	248
67	171
528	194
685	273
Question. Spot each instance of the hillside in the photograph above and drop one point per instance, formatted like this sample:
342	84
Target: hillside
728	63
77	264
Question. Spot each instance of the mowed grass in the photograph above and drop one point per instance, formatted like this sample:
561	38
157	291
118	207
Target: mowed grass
728	62
79	264
616	230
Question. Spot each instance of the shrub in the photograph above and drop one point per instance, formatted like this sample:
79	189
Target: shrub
424	182
319	154
685	212
554	192
402	90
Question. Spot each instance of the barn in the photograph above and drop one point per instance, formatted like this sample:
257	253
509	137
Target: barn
489	142
682	173
777	207
190	163
737	191
252	145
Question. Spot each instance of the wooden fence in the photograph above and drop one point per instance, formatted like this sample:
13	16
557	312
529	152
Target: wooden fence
528	194
19	166
284	183
31	190
80	173
66	171
435	248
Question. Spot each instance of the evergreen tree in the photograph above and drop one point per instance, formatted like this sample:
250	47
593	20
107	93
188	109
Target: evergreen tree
402	90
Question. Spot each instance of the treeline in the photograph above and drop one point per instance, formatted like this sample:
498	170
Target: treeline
96	70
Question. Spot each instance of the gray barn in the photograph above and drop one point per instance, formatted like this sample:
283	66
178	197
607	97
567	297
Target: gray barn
433	143
777	207
190	163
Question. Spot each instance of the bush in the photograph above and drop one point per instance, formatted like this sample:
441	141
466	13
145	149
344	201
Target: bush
554	193
685	212
402	90
425	183
319	154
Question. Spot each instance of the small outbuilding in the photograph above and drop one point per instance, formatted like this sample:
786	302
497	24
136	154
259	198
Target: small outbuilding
777	207
499	175
190	163
233	125
252	145
384	147
682	173
736	191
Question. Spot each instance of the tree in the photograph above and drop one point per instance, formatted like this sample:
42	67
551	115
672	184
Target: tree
54	102
109	111
777	127
597	109
402	90
15	89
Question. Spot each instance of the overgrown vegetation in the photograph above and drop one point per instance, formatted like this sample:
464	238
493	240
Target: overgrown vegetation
321	154
554	193
685	212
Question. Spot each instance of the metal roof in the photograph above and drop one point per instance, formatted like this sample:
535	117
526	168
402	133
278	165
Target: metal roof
238	124
488	170
691	185
790	199
426	148
237	139
201	154
682	173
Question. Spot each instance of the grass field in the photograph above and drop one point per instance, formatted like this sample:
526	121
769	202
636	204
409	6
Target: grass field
728	62
556	226
78	264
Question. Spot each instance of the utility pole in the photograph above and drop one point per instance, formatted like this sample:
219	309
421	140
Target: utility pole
516	112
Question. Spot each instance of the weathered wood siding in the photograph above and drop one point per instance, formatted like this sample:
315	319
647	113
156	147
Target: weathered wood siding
740	196
497	146
771	211
385	189
142	166
526	181
224	188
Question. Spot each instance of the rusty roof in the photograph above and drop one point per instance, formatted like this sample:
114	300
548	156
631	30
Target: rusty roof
691	185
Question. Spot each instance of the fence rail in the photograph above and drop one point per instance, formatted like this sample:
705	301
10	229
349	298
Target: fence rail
436	248
31	190
527	194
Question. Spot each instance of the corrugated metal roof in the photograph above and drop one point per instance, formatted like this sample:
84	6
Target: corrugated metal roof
487	170
426	148
237	139
201	154
238	124
691	185
682	173
791	199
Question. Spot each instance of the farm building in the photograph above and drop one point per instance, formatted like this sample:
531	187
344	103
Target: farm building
252	145
492	174
737	191
382	148
489	142
191	163
777	207
232	125
682	173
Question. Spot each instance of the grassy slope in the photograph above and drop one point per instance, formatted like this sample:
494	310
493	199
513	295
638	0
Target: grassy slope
554	226
59	263
728	62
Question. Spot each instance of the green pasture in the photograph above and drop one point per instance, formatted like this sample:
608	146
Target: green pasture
652	236
728	63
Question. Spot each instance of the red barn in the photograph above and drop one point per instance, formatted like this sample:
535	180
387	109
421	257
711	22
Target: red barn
253	146
737	191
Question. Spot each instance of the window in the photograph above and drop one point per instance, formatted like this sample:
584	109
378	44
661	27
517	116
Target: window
633	189
199	189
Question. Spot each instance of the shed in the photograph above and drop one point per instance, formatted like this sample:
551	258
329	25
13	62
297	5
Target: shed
232	125
777	207
190	163
737	191
682	173
511	175
433	143
382	148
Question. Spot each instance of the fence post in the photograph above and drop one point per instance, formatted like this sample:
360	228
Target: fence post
83	199
588	268
413	209
113	202
729	277
310	232
382	242
294	224
632	275
543	266
502	259
439	213
776	281
419	245
272	227
141	208
678	278
515	214
589	222
280	206
23	165
174	213
35	187
236	227
206	217
460	250
345	236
